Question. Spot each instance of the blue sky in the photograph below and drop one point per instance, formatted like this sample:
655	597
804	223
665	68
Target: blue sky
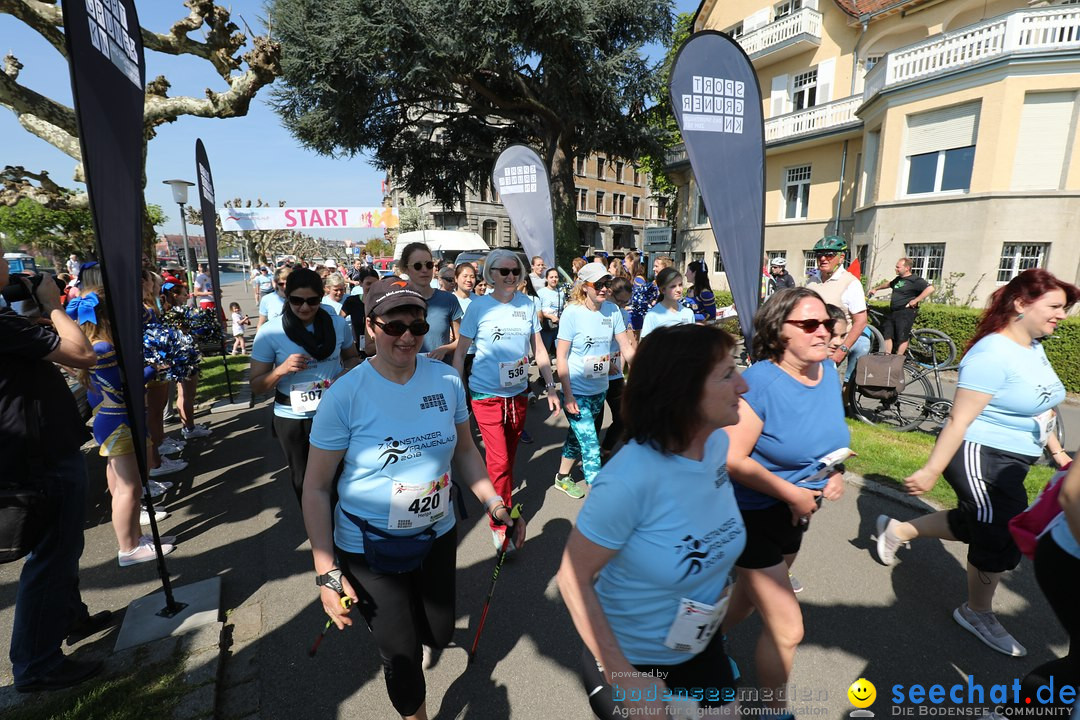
251	157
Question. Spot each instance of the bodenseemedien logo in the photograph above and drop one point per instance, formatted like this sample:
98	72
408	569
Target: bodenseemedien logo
862	694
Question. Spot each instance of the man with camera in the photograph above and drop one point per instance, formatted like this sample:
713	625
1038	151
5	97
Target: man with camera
41	432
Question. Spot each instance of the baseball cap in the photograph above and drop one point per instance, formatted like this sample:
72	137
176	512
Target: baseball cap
592	272
330	263
390	293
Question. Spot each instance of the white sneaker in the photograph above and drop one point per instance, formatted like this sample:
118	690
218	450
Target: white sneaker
171	446
144	552
196	431
887	542
985	626
144	517
168	467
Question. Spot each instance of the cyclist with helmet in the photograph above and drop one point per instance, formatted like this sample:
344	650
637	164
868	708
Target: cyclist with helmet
779	276
837	286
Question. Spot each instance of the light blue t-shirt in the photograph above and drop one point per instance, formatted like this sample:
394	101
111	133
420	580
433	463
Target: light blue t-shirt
590	334
264	283
332	304
443	309
659	316
678	532
552	302
1024	386
801	424
273	346
391	433
271	306
500	332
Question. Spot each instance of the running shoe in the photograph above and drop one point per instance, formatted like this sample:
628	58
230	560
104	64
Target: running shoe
143	552
430	656
985	626
567	485
144	517
158	489
196	431
526	437
796	586
171	446
167	467
887	542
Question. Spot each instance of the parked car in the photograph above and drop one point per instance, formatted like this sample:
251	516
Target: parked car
385	266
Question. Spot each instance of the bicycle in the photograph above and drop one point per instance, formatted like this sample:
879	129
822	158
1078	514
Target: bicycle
926	346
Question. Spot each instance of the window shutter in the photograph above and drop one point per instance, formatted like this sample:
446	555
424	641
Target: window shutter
812	4
826	74
1045	128
778	96
943	129
759	19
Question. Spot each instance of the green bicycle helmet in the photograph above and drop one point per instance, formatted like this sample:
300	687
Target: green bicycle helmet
831	243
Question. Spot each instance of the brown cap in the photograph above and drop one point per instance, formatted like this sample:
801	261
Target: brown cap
390	293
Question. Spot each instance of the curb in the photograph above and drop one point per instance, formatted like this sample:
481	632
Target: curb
881	490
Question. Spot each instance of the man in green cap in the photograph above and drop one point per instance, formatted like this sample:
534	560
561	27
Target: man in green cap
837	286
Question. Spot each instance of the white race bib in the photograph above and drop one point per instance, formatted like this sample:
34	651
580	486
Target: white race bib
306	397
418	505
616	364
1047	423
596	366
514	374
696	622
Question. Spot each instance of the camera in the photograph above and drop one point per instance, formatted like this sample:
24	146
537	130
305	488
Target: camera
18	292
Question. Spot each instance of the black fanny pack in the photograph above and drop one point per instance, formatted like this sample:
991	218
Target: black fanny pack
392	554
282	399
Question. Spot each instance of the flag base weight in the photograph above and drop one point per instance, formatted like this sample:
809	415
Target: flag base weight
198	604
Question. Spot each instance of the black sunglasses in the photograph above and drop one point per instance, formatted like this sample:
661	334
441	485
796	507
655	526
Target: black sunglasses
297	301
396	328
810	326
420	266
515	271
827	255
601	284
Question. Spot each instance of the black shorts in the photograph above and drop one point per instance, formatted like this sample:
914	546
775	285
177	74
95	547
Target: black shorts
989	485
706	677
769	537
897	326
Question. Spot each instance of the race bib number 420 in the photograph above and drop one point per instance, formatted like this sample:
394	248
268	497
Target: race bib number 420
306	397
418	505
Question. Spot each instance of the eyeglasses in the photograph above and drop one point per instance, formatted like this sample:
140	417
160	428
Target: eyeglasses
281	284
826	255
396	328
811	326
420	266
297	301
601	284
515	271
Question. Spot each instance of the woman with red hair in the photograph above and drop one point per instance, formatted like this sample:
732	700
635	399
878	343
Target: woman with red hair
1002	417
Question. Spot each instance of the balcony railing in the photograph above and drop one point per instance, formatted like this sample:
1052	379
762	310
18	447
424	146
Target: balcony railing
817	119
675	156
785	30
586	216
1023	31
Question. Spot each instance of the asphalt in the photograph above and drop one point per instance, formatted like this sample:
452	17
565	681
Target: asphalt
237	519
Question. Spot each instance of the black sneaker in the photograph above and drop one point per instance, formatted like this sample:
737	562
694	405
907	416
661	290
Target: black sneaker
68	673
89	625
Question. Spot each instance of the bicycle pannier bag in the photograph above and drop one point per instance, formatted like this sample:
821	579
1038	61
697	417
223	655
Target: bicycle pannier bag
880	375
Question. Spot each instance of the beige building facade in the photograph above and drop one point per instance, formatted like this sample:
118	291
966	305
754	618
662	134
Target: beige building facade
944	130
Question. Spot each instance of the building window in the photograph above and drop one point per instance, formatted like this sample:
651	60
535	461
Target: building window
786	8
636	203
809	263
797	192
661	209
940	171
491	232
718	262
617	202
618	172
735	32
637	178
702	215
774	254
926	260
599	168
582	199
697	257
581	166
804	90
599	201
1016	258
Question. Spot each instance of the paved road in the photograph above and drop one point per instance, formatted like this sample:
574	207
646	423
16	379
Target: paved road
237	518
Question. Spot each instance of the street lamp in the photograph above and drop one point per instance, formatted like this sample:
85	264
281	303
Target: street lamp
179	194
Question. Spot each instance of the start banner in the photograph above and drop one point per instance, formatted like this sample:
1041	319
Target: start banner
307	218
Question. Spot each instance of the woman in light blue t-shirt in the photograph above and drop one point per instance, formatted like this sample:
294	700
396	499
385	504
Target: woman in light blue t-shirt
669	310
1002	417
647	571
583	357
443	312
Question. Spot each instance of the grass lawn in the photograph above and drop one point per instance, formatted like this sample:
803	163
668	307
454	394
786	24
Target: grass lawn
212	378
887	456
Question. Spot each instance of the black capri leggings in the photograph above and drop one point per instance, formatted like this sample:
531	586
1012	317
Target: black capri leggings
404	612
706	677
613	398
292	435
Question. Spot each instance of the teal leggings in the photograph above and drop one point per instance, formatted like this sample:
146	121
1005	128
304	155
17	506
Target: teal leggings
582	441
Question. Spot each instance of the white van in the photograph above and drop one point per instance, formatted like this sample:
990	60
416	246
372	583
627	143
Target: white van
444	244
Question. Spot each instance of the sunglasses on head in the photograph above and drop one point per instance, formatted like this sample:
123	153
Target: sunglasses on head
297	301
420	266
397	328
601	284
810	326
826	255
515	271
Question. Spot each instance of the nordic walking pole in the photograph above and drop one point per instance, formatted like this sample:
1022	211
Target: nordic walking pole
346	601
515	514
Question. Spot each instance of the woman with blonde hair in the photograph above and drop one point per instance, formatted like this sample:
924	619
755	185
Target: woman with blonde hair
443	309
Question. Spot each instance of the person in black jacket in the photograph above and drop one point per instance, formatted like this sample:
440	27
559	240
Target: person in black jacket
41	432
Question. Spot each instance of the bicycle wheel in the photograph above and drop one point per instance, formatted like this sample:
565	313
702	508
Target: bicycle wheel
930	348
877	340
907	410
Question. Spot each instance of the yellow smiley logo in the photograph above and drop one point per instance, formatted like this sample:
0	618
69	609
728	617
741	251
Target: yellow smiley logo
862	693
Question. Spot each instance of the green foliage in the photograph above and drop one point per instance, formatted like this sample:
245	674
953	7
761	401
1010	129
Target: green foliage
436	89
59	232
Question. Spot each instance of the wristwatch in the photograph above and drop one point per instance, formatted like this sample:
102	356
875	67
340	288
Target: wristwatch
845	349
331	579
